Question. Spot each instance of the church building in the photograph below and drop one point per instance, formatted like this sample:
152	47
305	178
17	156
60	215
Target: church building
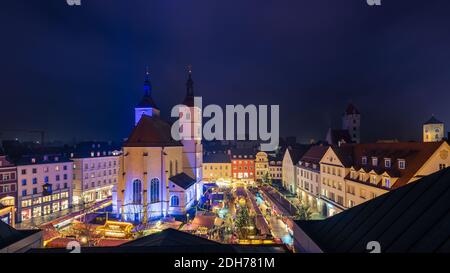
160	176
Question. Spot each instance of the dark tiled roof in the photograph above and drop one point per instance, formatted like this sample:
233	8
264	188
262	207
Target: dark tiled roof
151	132
433	120
249	152
183	180
9	235
84	149
174	241
413	218
41	159
216	158
415	155
296	152
314	154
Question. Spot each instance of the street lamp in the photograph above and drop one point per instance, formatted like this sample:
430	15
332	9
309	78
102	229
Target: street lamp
187	218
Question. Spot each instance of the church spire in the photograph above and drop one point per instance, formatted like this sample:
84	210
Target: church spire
189	99
147	83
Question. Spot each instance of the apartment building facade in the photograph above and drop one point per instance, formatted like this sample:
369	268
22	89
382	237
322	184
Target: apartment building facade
44	185
95	173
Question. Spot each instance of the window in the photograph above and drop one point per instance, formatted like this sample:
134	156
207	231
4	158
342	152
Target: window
401	164
442	166
387	162
34	181
154	190
364	160
24	172
374	161
387	182
24	182
24	193
174	201
34	170
137	191
34	190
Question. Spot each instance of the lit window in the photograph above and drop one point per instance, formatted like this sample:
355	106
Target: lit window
401	164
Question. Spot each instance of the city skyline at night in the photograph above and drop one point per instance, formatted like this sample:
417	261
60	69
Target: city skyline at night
381	59
222	136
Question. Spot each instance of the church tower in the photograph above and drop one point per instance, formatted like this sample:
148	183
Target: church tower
351	121
191	132
146	106
433	130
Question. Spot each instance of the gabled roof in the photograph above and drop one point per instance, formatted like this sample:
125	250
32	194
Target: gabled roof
296	152
344	154
433	120
413	218
183	180
314	154
415	155
151	132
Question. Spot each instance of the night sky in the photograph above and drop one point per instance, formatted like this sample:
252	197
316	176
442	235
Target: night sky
77	72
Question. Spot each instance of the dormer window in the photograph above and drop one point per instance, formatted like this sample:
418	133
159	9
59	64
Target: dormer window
401	164
387	162
387	182
92	154
364	160
374	161
33	160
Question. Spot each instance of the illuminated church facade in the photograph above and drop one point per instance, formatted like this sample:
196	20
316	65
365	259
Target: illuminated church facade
161	176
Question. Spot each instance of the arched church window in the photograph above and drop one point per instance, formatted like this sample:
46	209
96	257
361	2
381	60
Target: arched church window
137	191
154	190
174	201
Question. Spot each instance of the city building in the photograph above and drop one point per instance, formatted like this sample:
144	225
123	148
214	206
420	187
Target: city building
161	176
8	190
95	171
261	166
291	157
243	164
44	185
409	219
433	130
355	173
217	167
275	168
308	176
381	167
334	167
351	121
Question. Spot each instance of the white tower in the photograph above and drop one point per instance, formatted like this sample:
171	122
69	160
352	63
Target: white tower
146	106
191	131
351	121
433	130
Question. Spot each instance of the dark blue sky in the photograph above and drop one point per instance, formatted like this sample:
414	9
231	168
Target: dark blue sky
78	71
